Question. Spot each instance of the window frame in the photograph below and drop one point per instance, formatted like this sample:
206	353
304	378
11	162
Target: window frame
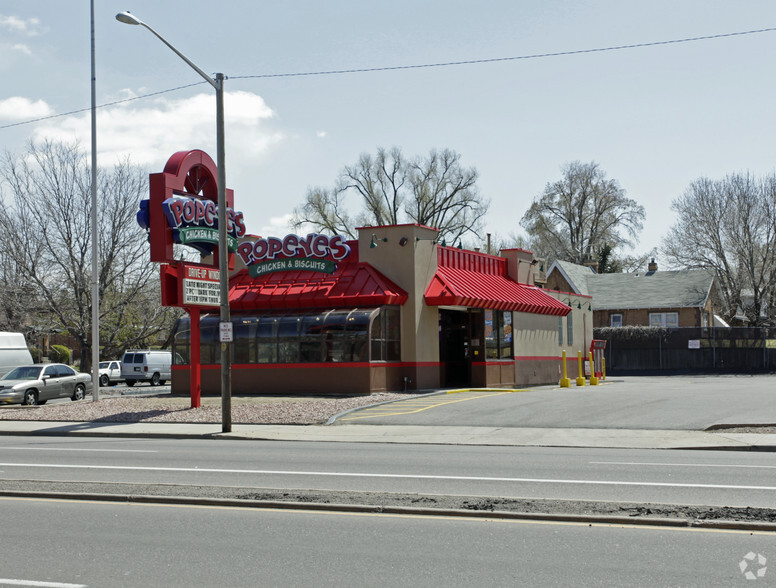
662	319
499	344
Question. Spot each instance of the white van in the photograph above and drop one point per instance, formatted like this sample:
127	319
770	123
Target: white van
144	365
13	352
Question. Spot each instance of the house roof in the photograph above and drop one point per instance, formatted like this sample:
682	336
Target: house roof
660	289
575	275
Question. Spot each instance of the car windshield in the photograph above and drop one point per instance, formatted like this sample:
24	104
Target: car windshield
27	372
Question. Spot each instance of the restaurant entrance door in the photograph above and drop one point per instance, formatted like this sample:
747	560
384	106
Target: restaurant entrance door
454	348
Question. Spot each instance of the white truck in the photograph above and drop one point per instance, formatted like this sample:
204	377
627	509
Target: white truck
13	352
146	365
110	373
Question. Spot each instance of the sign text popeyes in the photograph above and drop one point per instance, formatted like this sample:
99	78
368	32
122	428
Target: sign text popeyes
293	252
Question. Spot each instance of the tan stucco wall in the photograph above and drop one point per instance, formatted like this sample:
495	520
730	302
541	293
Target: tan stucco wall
411	266
536	335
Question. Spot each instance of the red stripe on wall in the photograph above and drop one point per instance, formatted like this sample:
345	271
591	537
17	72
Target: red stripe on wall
275	366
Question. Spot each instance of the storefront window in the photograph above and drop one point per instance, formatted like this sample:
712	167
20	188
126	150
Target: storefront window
357	346
498	334
334	341
266	340
386	335
244	347
505	336
210	348
288	339
181	342
313	337
310	339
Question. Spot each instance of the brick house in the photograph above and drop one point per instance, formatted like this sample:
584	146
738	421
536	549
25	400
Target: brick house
681	298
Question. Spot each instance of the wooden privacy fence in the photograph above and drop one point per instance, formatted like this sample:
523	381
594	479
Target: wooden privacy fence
705	349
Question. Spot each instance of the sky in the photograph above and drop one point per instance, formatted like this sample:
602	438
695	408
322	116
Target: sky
654	118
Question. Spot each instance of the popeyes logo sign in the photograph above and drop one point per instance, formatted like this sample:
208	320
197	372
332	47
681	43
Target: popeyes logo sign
308	253
182	209
195	223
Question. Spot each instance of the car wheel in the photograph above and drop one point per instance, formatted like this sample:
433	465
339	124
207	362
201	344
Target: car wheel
130	383
30	398
155	379
162	382
104	380
79	393
42	402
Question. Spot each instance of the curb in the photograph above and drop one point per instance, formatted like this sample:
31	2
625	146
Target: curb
677	523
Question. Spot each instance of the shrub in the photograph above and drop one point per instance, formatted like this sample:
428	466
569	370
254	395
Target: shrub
60	354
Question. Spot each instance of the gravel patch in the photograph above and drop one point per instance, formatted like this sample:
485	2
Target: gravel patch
260	410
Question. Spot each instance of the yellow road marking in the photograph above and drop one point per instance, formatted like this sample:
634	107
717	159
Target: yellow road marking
404	406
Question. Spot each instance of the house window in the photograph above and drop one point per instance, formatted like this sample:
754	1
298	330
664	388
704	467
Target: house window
569	330
560	330
668	320
615	320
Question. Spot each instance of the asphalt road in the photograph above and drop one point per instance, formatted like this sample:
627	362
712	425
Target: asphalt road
708	478
81	545
667	402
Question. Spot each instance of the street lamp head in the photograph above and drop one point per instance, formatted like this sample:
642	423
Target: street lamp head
128	18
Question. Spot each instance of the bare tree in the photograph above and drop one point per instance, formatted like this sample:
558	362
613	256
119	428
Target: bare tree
575	217
729	226
46	234
435	191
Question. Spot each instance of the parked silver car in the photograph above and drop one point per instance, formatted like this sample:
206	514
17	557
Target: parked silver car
40	382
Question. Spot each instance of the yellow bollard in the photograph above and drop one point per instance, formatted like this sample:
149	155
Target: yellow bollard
593	379
603	368
564	381
580	370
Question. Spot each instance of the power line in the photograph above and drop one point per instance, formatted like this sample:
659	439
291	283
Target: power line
34	120
415	66
500	59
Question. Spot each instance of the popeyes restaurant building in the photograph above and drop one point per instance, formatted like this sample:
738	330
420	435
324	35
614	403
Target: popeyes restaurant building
392	310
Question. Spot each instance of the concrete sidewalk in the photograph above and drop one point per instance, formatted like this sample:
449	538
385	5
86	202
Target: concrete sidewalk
440	435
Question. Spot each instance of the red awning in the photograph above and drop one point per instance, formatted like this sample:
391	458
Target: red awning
460	287
351	285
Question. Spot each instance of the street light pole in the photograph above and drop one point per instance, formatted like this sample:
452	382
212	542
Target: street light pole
223	267
95	237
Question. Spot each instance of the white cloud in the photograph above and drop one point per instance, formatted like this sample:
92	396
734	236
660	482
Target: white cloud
19	108
22	48
279	226
30	27
320	134
149	134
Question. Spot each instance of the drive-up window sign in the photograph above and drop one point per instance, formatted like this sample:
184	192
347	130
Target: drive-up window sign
201	286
